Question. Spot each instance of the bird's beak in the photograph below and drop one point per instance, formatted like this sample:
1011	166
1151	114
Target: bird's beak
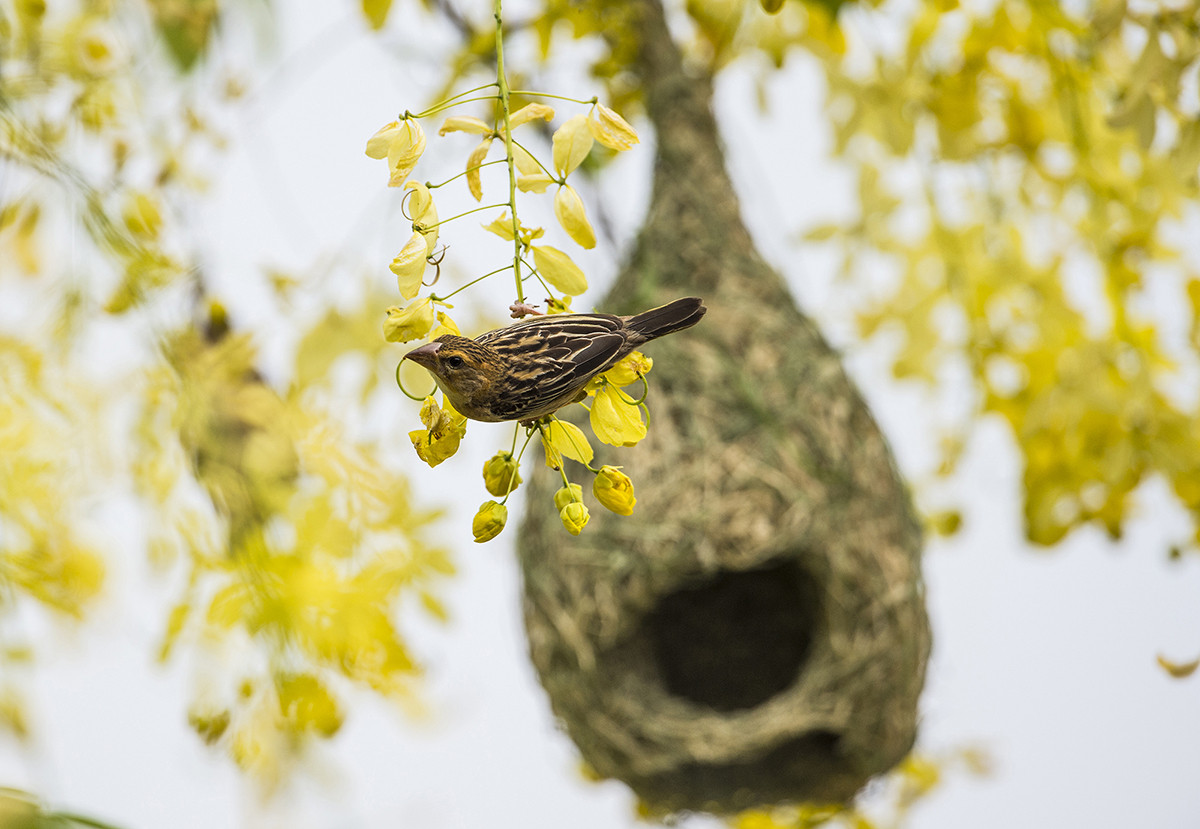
425	355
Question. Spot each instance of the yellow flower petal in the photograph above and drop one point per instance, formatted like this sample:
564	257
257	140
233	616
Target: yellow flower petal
424	214
629	368
536	183
445	325
560	439
477	156
572	143
410	323
527	165
465	123
444	430
558	269
615	420
401	143
530	112
574	517
502	226
614	490
406	145
409	265
377	144
610	129
568	208
489	521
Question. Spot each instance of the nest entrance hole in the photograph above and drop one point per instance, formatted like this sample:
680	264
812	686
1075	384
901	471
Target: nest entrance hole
737	638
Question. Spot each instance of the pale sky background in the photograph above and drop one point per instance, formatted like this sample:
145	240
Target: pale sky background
1044	659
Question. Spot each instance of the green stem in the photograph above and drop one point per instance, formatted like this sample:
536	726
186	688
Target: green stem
540	164
463	173
502	82
529	93
528	437
460	215
436	298
453	101
434	110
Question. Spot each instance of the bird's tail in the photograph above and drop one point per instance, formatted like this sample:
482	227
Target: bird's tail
665	319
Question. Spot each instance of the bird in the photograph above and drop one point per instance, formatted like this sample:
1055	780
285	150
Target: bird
531	369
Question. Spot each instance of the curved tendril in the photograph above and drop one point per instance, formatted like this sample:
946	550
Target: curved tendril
437	266
400	383
404	203
645	392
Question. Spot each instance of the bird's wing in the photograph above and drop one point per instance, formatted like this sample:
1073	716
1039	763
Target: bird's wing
550	359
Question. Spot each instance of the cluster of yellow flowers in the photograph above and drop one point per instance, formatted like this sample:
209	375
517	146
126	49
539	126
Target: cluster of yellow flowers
615	416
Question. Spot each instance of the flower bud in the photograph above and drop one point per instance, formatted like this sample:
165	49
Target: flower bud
574	517
489	521
566	495
501	474
614	490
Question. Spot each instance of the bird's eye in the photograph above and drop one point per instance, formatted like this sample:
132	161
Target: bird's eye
454	362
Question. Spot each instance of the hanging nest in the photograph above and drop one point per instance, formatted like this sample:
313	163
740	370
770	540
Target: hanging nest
756	632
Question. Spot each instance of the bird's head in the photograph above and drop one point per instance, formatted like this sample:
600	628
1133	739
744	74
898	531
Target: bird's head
463	369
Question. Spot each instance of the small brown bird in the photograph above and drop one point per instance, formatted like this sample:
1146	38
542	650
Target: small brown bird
533	368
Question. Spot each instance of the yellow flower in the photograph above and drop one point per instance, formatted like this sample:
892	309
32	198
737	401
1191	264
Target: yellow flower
489	521
614	490
501	475
444	429
409	265
409	323
566	495
574	517
401	143
568	209
610	129
424	214
627	371
614	418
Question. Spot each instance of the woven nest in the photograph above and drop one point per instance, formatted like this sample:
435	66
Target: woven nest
755	633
